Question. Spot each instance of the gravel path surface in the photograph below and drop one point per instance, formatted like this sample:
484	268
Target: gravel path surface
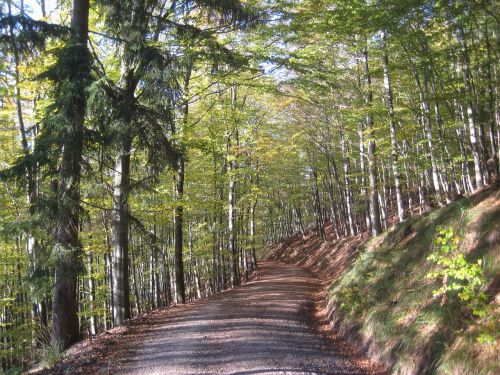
264	327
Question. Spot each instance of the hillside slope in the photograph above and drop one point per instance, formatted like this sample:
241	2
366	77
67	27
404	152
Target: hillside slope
383	292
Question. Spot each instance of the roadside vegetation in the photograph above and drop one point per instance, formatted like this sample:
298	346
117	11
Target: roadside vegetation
423	296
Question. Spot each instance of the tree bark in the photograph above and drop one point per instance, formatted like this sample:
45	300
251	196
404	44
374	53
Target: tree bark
67	249
121	193
471	113
120	218
91	291
347	181
178	232
392	131
317	206
372	162
231	217
491	105
179	171
425	120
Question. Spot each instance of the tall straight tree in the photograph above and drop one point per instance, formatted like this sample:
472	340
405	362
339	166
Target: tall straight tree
121	192
232	132
392	129
179	172
372	161
74	77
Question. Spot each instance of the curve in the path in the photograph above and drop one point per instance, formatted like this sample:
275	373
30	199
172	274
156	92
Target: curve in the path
260	328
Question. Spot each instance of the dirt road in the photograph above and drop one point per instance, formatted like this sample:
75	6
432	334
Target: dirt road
261	328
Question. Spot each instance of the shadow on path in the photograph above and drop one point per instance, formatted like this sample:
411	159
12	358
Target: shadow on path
261	328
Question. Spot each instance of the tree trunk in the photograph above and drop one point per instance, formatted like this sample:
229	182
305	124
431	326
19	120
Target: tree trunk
157	284
317	206
120	218
491	106
392	131
179	172
341	195
232	166
252	233
471	115
36	269
178	232
372	162
347	181
67	249
91	291
425	121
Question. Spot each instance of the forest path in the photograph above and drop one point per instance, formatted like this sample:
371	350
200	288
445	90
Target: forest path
264	327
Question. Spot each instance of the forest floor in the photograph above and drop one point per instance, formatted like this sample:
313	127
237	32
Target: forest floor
273	324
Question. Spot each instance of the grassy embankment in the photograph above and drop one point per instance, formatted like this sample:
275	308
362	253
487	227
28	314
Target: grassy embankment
386	299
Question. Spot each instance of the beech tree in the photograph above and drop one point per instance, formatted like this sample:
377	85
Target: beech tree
150	149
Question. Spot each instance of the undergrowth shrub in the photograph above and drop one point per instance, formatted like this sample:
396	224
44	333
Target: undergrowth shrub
48	351
466	280
351	298
459	276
